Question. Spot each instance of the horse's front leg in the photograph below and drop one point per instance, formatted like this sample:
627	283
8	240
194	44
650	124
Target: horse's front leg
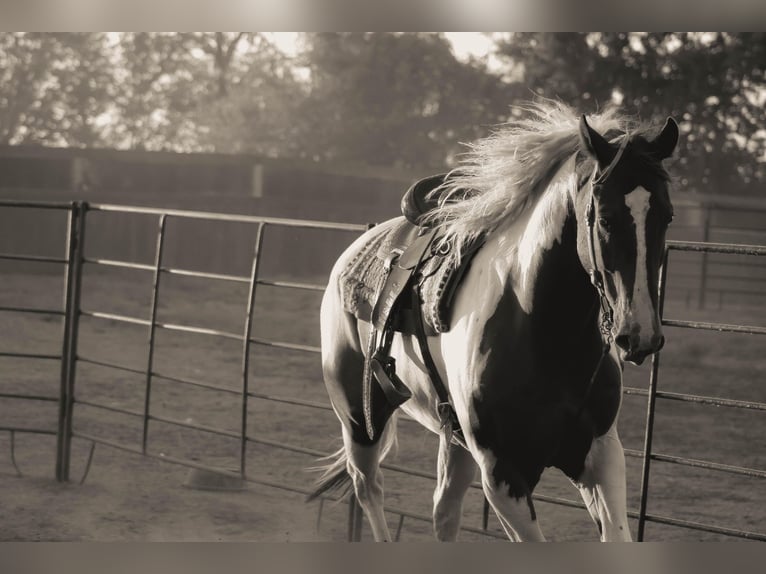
602	486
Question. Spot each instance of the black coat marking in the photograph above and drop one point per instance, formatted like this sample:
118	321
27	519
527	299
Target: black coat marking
537	372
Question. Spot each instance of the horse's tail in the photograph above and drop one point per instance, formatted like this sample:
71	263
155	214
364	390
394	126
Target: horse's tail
335	478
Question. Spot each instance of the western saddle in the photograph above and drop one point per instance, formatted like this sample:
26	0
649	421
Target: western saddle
419	282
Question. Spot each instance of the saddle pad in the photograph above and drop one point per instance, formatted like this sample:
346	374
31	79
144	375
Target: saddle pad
363	279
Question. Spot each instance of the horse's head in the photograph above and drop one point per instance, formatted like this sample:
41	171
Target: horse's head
623	213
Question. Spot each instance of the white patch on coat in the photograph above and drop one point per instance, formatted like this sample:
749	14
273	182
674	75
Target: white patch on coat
641	310
544	228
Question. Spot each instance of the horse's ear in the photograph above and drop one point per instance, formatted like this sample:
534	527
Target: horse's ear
664	144
595	144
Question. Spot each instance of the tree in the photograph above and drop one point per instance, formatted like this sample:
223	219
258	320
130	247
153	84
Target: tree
394	99
53	88
712	83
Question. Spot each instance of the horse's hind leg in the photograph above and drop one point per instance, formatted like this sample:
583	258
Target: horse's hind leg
602	487
364	467
456	471
343	368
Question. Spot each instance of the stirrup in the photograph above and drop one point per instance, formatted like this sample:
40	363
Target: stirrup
384	369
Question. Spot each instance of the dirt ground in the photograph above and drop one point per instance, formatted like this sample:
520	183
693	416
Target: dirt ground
130	497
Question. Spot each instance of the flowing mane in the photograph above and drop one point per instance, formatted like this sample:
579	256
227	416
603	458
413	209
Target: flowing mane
506	172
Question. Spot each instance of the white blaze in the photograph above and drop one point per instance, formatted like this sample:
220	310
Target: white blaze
641	309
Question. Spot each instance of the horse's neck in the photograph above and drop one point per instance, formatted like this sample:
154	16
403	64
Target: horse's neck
545	272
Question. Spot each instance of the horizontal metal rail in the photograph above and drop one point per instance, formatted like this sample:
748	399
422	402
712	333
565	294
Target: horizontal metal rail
102	406
218	388
192	426
195	383
713	401
721	327
706	247
288	346
118	263
198	330
33	258
28	430
114	317
162	325
699	399
117	366
158	418
291	401
30	355
212	216
205	274
201	331
292	285
706	527
166	458
29	397
732	279
633	453
707	465
52	205
32	310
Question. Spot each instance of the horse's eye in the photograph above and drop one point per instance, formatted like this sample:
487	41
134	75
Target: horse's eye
604	222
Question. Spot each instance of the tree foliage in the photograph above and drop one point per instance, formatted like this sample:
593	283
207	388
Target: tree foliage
389	99
395	99
713	84
53	88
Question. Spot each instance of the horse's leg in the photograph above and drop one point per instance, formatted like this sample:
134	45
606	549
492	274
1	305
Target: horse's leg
363	465
456	471
602	486
343	368
516	513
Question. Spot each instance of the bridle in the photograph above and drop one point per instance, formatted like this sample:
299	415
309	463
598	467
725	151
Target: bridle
597	275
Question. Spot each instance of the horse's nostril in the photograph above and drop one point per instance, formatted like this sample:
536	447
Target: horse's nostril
623	342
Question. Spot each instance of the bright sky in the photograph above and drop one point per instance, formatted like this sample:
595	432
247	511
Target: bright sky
465	44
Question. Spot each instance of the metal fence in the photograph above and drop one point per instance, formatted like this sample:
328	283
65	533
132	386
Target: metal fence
710	280
71	263
74	261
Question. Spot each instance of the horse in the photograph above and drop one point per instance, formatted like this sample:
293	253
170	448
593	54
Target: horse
563	290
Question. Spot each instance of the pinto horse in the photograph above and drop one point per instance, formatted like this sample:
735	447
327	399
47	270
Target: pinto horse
561	293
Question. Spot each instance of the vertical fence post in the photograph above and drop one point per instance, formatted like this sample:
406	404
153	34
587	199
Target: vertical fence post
246	345
650	406
74	331
71	243
704	266
152	328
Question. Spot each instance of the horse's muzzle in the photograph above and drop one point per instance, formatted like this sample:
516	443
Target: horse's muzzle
632	350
